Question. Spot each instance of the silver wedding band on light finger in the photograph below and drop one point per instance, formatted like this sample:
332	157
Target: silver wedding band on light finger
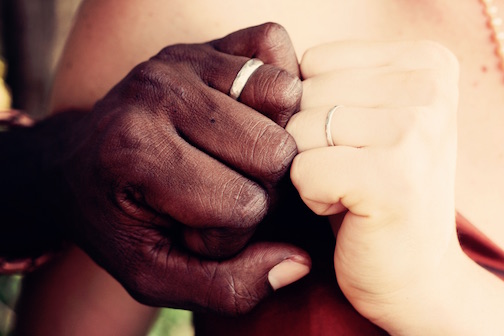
328	133
243	76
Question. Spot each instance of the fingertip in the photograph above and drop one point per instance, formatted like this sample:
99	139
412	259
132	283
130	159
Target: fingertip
281	154
277	47
324	209
288	97
253	275
307	65
296	171
274	92
288	271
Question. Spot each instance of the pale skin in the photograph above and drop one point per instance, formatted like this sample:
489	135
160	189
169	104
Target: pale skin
478	182
393	167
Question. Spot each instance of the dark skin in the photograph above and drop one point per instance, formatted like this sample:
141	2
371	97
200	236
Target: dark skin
165	181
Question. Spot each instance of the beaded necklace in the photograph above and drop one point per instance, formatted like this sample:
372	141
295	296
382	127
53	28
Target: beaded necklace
495	24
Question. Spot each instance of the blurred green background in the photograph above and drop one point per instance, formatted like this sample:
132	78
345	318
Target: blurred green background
9	289
170	322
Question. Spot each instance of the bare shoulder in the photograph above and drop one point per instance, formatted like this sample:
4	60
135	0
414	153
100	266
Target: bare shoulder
110	37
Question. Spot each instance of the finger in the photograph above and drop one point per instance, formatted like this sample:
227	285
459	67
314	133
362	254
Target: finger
269	42
220	208
273	92
228	131
274	89
370	54
237	136
270	90
329	176
215	242
373	87
215	195
170	180
230	287
172	177
349	126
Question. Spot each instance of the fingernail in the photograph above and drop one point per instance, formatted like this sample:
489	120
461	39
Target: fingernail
287	272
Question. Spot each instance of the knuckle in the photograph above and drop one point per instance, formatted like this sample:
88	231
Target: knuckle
178	53
414	118
425	50
173	72
147	73
138	288
287	92
243	203
126	134
295	125
139	296
422	127
169	52
277	93
307	62
222	243
433	89
296	174
284	154
144	85
188	58
436	54
425	87
411	121
274	151
432	56
273	34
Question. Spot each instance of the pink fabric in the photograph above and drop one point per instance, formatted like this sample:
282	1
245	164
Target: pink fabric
479	247
316	306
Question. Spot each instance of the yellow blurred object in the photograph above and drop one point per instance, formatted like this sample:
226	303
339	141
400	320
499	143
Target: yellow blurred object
5	98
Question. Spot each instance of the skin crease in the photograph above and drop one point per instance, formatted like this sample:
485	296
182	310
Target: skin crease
461	28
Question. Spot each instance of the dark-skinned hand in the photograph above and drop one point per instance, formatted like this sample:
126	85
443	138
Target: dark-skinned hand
171	176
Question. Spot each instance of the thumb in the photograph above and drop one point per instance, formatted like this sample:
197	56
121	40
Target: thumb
250	277
231	287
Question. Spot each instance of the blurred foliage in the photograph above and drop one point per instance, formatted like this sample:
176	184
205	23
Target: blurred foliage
173	322
9	291
170	322
5	98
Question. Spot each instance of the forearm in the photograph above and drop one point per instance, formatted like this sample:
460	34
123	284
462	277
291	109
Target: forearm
33	197
73	291
462	299
475	300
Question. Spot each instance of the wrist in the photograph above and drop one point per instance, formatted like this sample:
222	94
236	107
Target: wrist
460	298
423	309
34	198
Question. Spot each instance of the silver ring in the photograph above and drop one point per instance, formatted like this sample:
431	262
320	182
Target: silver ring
243	76
328	133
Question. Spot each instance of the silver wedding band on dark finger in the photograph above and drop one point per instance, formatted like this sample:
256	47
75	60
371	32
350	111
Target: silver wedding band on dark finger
328	133
243	76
